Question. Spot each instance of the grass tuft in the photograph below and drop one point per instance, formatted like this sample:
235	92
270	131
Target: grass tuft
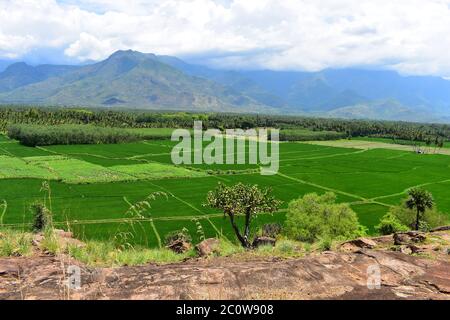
15	243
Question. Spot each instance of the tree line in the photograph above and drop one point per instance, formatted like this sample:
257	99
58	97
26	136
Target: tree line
38	135
159	119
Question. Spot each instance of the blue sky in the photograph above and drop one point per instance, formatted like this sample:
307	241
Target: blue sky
409	36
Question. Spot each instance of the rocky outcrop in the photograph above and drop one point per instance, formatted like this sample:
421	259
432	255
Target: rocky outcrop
410	237
355	245
329	275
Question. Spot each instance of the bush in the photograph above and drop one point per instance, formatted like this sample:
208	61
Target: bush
315	217
177	236
42	217
325	243
389	224
286	247
228	248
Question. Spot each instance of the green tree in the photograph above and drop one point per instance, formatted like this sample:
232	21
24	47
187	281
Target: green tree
242	200
420	200
315	217
390	224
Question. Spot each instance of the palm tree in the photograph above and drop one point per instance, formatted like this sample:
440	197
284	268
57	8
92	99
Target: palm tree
420	200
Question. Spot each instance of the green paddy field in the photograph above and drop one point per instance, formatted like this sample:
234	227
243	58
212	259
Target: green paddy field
91	185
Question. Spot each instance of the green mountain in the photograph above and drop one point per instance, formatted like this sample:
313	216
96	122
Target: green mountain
126	79
21	74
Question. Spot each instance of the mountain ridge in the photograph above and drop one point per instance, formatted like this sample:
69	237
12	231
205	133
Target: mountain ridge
131	79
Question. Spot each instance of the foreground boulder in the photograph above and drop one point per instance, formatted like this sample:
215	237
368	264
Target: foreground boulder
208	247
329	275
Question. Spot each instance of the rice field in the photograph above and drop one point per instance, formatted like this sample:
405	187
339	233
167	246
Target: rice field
93	185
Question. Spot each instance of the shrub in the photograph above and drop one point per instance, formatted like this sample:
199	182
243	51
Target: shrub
286	247
389	224
325	243
50	242
424	226
315	217
42	217
227	248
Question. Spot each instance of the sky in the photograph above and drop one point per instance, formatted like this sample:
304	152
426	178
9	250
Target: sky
409	36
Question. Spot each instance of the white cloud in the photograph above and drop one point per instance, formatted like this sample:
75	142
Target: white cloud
411	36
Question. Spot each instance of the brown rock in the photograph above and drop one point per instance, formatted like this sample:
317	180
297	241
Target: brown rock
37	239
410	249
443	228
208	247
405	249
329	276
63	234
332	275
362	243
384	240
9	268
65	242
179	246
263	241
409	237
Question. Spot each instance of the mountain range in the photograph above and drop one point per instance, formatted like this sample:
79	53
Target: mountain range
130	79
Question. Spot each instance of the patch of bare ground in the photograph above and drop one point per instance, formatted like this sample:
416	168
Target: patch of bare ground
422	273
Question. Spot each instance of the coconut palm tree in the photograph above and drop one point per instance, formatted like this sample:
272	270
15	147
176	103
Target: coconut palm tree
420	200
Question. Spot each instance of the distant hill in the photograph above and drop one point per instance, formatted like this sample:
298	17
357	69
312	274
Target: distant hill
126	79
333	91
20	74
4	64
132	79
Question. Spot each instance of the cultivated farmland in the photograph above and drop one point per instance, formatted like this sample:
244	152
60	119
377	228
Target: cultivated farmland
92	186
